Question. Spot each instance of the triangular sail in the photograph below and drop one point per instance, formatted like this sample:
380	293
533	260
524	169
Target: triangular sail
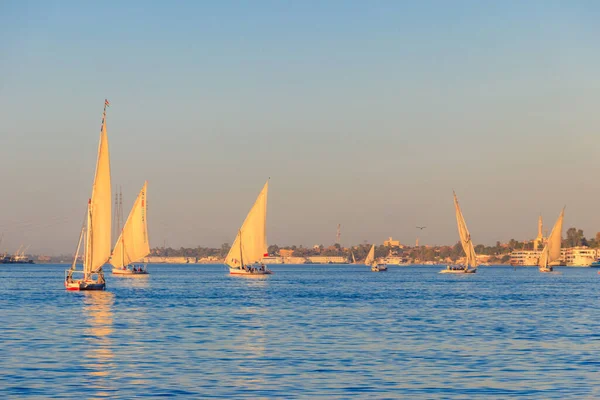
371	256
98	243
551	250
133	244
252	236
465	236
353	259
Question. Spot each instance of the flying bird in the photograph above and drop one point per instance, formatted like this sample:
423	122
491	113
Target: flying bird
421	227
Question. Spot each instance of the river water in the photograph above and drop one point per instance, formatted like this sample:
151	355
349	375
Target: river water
305	332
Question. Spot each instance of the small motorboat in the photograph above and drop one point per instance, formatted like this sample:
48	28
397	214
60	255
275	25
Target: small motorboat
458	269
379	267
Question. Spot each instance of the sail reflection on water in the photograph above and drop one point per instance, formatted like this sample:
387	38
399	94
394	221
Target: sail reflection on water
99	358
251	347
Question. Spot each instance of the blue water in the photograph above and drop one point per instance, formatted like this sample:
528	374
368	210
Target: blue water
305	332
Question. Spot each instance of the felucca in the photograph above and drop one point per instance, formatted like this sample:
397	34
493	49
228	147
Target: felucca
133	245
375	265
470	265
250	244
96	230
551	250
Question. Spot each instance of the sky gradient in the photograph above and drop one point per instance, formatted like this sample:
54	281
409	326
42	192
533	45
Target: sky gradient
366	114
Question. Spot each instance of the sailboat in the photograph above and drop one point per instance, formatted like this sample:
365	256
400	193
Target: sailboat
470	265
376	266
353	258
96	229
133	245
250	244
551	250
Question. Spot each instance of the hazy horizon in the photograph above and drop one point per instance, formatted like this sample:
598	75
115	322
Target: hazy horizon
366	114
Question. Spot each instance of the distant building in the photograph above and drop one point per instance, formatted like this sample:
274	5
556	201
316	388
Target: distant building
210	260
169	260
327	260
272	260
286	252
483	258
392	243
294	260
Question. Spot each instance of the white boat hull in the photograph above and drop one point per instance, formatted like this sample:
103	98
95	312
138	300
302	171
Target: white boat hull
85	282
379	268
129	272
87	285
458	271
245	272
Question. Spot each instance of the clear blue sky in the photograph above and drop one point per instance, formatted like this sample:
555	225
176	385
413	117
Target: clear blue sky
364	113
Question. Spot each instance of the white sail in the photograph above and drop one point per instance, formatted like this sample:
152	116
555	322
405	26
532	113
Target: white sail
551	250
353	259
465	236
97	249
133	244
250	244
371	256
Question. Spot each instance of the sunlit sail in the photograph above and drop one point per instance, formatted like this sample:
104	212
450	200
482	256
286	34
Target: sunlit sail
133	244
370	256
98	222
370	261
551	250
470	265
250	244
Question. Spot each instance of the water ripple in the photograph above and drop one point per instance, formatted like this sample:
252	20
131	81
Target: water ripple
306	332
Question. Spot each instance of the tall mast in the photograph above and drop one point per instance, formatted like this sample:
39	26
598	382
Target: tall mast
241	256
118	214
123	250
88	241
78	247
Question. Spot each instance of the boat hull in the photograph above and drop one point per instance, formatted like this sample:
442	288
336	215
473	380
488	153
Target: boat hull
77	286
379	268
546	270
128	272
458	271
244	272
